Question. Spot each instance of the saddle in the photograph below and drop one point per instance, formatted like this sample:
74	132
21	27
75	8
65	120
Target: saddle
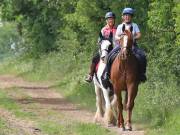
112	57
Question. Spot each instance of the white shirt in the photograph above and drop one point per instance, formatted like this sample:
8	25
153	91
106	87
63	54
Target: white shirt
119	31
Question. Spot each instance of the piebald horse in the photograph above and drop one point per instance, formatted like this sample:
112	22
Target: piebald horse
103	102
124	77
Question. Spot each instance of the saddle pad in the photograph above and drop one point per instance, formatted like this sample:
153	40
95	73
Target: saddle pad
97	65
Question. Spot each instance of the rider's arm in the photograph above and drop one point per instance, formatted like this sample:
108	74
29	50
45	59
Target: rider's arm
118	33
137	32
137	36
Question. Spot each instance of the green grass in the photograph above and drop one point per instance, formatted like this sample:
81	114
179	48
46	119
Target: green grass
4	130
171	127
79	93
88	129
11	105
73	128
53	128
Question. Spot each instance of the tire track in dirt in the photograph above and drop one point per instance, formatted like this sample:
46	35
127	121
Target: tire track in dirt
48	99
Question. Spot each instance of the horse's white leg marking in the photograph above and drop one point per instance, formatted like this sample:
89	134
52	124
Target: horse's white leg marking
108	111
114	106
99	111
114	101
108	117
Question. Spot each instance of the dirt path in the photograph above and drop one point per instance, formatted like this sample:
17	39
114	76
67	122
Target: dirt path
49	100
21	127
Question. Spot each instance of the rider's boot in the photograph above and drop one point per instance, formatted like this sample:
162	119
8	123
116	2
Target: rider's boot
143	77
106	77
89	77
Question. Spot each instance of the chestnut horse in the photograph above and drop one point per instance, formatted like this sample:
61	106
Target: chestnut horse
124	77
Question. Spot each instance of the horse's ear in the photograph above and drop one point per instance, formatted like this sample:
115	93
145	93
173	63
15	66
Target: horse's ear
131	28
123	28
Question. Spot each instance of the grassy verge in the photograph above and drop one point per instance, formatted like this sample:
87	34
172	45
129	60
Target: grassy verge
11	105
4	129
171	127
53	128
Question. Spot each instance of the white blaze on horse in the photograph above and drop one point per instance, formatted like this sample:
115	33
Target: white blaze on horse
103	103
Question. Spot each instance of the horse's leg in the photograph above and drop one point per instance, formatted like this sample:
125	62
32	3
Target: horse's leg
132	92
108	111
99	106
114	109
125	101
120	111
102	102
114	104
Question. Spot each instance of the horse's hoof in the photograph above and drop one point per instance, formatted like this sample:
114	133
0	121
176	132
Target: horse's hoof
110	125
128	128
97	120
121	129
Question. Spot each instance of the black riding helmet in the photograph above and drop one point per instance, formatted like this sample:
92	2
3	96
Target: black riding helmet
110	15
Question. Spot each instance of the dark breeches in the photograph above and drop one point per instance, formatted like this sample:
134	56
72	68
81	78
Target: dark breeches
141	56
96	58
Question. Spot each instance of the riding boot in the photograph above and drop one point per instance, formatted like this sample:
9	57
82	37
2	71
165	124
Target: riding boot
89	77
106	76
106	73
140	55
143	77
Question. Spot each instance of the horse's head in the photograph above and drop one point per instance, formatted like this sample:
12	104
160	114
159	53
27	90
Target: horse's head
106	46
126	42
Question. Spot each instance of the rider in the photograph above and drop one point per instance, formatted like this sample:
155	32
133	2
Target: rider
108	30
127	16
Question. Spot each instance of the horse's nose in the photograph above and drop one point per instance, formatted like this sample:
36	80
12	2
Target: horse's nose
124	54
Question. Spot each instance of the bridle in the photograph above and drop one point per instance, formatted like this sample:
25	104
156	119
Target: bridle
125	49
